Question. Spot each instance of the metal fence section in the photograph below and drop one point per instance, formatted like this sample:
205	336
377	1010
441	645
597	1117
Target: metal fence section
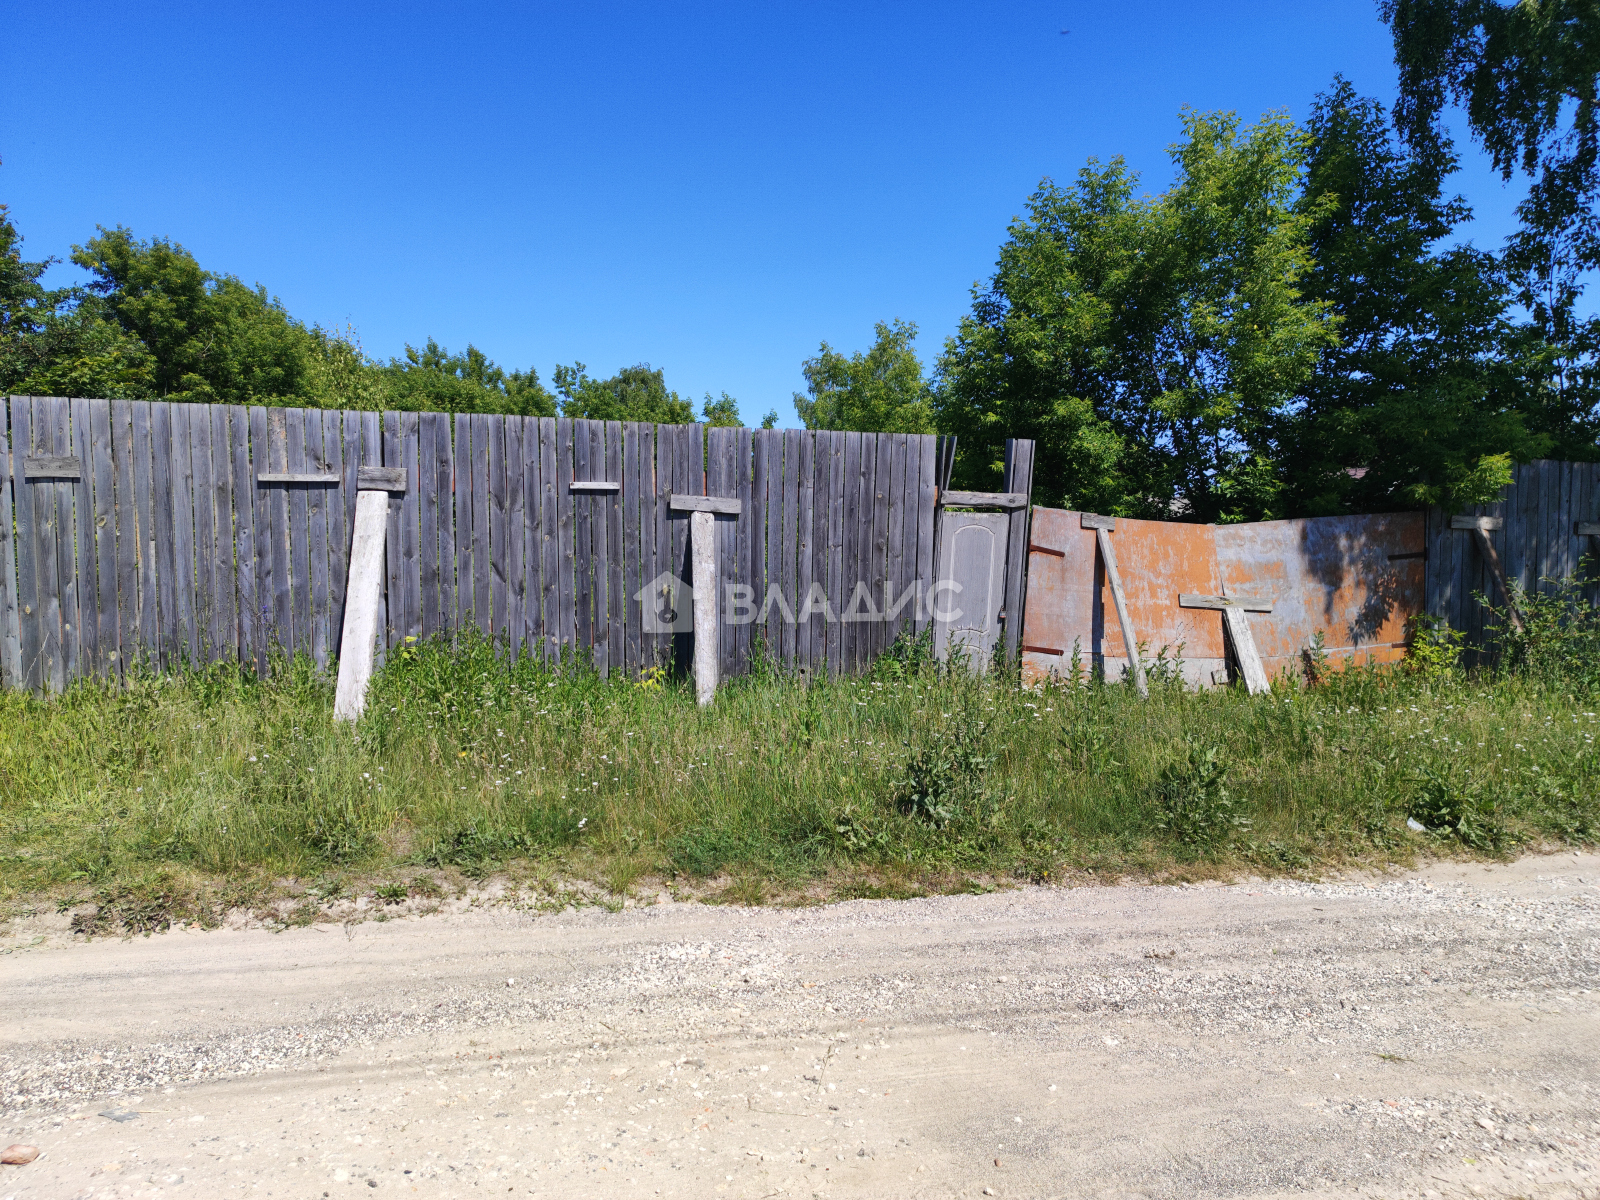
186	533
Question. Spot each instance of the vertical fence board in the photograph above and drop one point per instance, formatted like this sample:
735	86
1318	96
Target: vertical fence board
319	497
47	605
66	558
225	533
186	587
203	500
894	544
531	533
269	452
29	618
125	540
616	600
549	542
299	462
101	465
788	501
719	461
515	518
252	647
336	518
837	471
463	520
409	506
428	524
882	505
496	509
10	610
857	539
927	516
666	450
566	539
582	540
394	586
804	566
169	608
632	547
444	473
599	531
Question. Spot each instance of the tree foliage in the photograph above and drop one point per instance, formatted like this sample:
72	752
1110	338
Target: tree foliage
880	391
1149	345
637	393
1431	390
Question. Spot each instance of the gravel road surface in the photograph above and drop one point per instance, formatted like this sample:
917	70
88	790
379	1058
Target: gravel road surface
1427	1034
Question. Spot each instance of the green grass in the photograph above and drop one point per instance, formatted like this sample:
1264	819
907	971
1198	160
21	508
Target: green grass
178	797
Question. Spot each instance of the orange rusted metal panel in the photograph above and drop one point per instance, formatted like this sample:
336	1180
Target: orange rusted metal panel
1356	580
1070	605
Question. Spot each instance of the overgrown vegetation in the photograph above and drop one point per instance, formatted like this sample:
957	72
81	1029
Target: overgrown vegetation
176	798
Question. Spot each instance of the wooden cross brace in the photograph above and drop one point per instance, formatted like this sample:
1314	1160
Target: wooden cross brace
1237	624
1482	527
1102	527
703	512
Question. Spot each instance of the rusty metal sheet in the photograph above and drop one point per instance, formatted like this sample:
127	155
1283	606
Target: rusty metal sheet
1356	580
1070	605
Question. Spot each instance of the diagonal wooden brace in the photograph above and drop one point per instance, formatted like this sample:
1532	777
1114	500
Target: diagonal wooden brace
1102	527
1482	527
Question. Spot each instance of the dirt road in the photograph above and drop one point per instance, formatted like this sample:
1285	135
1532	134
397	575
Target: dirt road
1428	1034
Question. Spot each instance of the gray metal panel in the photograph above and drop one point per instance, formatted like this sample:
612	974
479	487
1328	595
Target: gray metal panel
971	588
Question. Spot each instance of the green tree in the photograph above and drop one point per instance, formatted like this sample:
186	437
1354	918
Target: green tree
1426	396
51	343
1151	346
637	393
434	380
881	391
211	338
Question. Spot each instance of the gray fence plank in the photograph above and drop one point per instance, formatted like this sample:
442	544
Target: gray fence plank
444	519
496	509
428	524
902	513
336	520
549	542
882	504
532	538
185	587
755	514
666	457
566	539
804	566
46	538
463	520
788	540
371	455
1019	478
66	528
318	499
127	538
299	462
267	453
719	482
203	504
99	491
632	548
583	543
30	622
86	557
163	570
616	601
394	587
850	562
224	534
927	447
482	560
251	647
10	610
516	523
410	506
837	471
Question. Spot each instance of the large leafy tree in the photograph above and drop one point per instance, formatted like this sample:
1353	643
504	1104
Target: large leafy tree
433	379
210	337
1150	345
637	393
880	391
1526	75
51	343
1431	390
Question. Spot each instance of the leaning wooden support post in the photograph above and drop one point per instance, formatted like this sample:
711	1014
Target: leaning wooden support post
703	512
1102	527
365	588
1233	610
1483	526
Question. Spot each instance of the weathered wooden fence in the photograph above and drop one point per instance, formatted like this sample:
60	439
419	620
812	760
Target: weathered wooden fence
1536	540
173	533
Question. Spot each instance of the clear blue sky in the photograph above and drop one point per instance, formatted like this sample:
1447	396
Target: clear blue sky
710	188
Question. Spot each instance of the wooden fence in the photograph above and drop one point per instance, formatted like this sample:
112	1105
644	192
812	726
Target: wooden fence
1537	541
145	531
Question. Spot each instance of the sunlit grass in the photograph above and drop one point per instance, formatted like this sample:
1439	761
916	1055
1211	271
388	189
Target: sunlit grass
912	779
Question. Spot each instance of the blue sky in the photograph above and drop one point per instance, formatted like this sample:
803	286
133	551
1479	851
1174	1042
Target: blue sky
711	188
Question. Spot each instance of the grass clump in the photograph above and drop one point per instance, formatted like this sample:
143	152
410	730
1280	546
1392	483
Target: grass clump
174	798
